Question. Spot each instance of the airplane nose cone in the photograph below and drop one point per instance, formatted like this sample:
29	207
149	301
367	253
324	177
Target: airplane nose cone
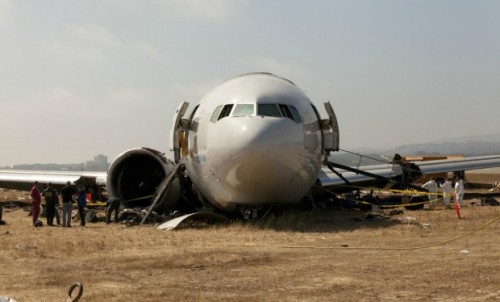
259	141
266	161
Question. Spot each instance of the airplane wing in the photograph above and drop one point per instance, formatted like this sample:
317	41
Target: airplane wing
328	178
380	174
462	164
24	179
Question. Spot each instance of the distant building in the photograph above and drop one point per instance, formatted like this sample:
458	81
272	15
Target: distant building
100	163
101	160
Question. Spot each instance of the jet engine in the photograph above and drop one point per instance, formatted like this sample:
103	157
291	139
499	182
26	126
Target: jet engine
135	177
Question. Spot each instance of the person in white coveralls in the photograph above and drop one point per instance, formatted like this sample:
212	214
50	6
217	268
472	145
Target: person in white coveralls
431	187
447	190
459	191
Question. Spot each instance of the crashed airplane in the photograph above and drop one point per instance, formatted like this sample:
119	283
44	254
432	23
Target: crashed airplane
253	142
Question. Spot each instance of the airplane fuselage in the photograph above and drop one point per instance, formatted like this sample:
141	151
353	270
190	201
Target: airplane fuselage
254	140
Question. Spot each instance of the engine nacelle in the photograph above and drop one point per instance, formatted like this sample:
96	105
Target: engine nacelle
134	178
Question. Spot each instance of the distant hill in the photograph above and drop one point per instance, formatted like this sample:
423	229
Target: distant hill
491	138
467	148
467	145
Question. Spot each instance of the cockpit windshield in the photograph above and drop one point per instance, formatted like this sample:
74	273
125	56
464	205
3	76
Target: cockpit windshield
268	110
273	110
243	109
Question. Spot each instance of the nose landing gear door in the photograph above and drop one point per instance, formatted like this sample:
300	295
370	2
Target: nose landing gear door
178	131
330	130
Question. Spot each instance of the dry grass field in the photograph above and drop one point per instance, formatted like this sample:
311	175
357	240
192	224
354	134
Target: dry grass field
301	256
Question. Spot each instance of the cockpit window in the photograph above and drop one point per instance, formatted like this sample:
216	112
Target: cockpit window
225	111
268	110
274	110
215	115
285	111
243	109
295	113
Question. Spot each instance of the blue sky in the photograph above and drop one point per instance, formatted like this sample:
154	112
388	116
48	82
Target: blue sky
79	78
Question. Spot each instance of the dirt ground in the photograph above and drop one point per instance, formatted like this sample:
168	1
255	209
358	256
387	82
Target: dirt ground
317	255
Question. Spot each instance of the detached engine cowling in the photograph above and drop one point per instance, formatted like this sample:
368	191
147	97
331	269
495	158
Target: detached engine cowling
135	175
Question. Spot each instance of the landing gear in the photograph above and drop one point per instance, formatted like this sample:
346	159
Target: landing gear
248	213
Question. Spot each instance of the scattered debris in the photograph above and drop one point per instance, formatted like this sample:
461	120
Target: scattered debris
413	220
372	217
91	216
15	204
203	217
496	187
396	212
135	216
408	219
489	201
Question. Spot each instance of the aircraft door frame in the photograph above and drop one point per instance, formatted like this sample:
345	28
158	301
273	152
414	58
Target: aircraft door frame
330	130
177	132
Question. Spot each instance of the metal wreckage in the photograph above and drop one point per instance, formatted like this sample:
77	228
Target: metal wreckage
180	202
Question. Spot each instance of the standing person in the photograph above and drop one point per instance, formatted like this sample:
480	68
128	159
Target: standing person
50	195
81	201
447	190
67	194
36	200
431	187
56	209
113	204
459	191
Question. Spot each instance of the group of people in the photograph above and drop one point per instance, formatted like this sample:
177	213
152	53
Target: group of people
68	194
448	191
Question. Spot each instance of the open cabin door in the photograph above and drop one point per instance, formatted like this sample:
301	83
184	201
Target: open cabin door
178	132
330	130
